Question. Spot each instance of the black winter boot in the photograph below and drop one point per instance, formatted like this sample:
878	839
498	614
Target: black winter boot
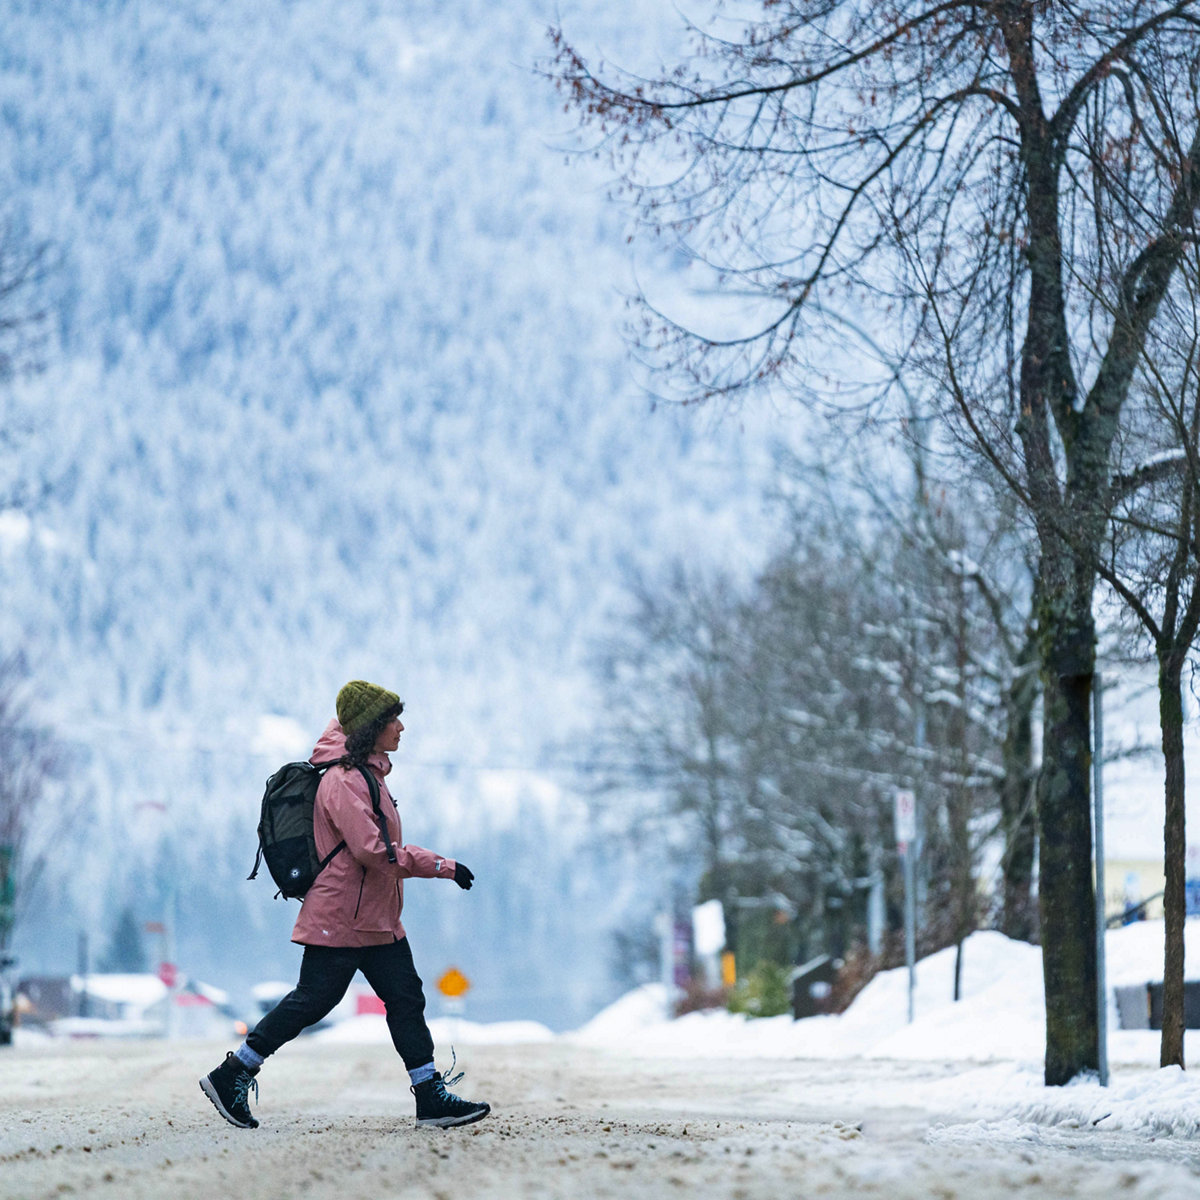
228	1087
438	1107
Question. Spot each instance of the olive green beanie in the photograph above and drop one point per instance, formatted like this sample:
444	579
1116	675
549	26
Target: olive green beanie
360	702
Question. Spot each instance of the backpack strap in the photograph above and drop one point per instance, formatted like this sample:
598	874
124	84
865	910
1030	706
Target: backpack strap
330	856
376	805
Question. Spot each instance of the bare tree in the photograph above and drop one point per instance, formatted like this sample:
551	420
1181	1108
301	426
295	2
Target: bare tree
964	528
777	718
27	753
1153	564
963	637
671	725
28	759
973	173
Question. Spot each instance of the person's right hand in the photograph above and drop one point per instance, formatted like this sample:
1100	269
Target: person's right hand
463	876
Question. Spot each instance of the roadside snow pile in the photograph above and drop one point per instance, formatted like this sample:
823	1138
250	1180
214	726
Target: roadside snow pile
1143	1103
995	1036
453	1030
1166	1102
447	1031
1001	1014
643	1008
1134	953
1000	1018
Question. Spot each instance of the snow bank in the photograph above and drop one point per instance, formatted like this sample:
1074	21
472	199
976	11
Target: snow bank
1164	1102
1134	953
995	1033
1000	1018
447	1031
644	1008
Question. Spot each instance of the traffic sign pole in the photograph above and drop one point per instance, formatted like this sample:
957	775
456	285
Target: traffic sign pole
1098	834
906	844
454	985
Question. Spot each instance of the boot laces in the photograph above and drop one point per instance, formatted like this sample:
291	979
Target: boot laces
241	1088
450	1079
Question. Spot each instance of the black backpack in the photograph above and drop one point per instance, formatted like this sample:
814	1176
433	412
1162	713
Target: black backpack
285	829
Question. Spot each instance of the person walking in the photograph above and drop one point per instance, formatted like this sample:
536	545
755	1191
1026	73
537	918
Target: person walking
350	918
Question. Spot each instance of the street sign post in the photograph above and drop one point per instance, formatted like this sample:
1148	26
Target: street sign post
1098	837
905	812
905	806
453	985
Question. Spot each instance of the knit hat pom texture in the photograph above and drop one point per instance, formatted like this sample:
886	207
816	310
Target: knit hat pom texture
360	702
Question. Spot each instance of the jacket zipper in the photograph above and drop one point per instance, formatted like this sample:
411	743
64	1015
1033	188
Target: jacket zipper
361	882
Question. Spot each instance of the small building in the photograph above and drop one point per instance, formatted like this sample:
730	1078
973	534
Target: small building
812	986
125	1005
1133	889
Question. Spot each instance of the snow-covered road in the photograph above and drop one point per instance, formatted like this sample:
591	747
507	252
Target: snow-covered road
128	1122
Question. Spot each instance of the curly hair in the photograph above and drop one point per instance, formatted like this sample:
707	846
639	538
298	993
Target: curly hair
361	742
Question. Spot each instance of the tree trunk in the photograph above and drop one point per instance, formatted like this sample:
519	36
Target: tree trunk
1070	524
1170	708
1065	828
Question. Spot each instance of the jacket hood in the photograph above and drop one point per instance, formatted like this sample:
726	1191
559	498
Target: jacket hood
331	745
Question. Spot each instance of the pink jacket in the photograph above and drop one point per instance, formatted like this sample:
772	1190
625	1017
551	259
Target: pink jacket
357	899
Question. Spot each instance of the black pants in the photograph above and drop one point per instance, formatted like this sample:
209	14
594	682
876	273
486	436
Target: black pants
325	974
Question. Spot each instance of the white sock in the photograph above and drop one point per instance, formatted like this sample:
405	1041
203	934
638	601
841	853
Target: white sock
422	1074
247	1056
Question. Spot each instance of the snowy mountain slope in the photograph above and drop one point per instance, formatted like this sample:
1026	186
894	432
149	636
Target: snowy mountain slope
336	389
326	360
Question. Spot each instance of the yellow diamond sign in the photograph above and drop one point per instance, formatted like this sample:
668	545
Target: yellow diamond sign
454	983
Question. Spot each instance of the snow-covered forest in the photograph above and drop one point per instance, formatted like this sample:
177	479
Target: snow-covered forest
332	385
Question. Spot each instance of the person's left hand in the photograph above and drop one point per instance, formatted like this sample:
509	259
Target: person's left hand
463	876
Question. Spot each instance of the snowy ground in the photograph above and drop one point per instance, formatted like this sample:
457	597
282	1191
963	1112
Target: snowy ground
710	1105
129	1123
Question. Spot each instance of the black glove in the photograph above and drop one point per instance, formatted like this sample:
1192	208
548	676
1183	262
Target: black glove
463	876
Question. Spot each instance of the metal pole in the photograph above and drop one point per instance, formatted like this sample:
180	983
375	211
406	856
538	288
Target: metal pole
172	1023
910	876
1098	804
876	911
665	923
82	966
910	922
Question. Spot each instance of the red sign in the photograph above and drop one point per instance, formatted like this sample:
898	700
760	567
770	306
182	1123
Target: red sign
168	973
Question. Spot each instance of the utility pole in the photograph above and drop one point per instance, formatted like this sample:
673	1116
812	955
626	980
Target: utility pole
664	925
1098	835
82	967
906	844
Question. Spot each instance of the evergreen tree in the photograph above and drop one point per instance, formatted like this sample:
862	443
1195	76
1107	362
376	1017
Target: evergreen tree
126	951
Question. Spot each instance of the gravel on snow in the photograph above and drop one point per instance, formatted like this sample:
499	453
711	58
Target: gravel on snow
127	1121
